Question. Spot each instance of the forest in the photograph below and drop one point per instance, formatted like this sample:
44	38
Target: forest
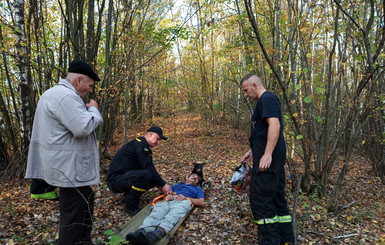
168	62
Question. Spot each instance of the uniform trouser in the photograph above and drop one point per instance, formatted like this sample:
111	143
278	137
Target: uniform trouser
166	215
76	213
133	184
41	189
269	206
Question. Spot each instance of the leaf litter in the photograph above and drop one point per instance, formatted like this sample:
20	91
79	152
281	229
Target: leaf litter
226	217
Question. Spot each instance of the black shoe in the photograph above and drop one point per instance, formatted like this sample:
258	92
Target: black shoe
132	212
137	238
154	236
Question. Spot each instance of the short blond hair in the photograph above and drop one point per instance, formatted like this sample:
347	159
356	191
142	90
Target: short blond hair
251	75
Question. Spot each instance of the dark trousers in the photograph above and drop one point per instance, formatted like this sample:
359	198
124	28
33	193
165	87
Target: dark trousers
76	214
123	183
268	201
133	184
40	187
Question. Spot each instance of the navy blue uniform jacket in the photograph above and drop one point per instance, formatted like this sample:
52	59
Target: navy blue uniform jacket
135	155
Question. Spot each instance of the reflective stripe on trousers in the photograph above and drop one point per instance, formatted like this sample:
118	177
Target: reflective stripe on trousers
268	221
276	219
284	219
138	189
48	195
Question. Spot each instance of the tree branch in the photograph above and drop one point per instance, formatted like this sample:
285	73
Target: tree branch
350	17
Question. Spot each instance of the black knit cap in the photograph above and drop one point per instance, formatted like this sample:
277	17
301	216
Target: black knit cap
158	131
81	67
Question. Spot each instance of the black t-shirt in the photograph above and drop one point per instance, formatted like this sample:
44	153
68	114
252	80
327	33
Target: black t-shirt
268	105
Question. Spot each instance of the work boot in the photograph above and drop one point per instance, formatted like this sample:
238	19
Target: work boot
154	236
286	232
268	234
132	212
137	238
131	201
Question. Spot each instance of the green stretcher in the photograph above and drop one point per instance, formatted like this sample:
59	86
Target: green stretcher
137	220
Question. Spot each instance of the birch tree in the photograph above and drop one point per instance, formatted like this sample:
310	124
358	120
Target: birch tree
24	77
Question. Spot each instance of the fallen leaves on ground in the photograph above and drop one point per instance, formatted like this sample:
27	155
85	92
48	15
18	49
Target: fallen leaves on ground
226	218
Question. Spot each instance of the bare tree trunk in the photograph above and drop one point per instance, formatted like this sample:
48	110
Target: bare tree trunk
151	104
374	148
74	12
125	112
107	70
3	108
3	155
24	82
140	99
35	13
10	131
90	39
200	49
352	126
132	91
323	159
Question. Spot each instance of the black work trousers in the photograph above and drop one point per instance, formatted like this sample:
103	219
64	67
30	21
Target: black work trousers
141	179
76	214
133	184
269	206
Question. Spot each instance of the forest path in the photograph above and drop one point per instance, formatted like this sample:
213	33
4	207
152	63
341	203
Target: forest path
226	217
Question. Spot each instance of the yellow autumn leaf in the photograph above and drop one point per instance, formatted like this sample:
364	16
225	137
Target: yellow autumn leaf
349	218
295	115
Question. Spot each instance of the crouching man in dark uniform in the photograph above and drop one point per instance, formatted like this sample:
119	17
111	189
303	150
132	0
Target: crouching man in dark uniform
132	171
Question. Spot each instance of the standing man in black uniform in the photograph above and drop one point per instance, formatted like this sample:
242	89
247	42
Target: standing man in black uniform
268	150
132	171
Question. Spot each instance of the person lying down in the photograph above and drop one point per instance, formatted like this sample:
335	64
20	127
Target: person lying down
166	213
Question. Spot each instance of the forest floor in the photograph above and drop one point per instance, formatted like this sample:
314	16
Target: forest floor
226	218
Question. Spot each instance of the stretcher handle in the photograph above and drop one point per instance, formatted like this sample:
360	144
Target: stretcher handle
158	199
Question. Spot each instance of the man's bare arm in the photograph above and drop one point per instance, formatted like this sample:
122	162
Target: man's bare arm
198	202
272	138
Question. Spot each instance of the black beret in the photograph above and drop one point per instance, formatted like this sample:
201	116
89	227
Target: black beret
81	67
